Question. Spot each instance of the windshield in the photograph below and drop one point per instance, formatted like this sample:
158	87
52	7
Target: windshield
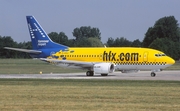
160	55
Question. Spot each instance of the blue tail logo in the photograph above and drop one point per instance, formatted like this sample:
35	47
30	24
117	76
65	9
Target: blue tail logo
39	38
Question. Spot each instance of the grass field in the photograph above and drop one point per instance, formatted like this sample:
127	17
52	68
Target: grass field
88	95
30	66
81	95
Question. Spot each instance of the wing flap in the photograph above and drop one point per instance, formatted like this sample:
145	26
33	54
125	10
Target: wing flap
71	63
24	50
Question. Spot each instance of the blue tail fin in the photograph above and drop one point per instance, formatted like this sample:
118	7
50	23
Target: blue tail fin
39	38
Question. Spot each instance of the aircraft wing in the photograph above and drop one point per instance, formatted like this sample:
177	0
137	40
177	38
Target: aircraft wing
24	50
70	62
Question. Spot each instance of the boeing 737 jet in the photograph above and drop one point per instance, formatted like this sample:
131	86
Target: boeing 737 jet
101	60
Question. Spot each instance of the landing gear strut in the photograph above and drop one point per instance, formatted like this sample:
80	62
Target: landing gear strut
153	74
90	73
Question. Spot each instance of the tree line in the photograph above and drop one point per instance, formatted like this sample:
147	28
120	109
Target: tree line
163	36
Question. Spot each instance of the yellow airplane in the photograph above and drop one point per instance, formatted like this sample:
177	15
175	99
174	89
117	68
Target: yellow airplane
95	60
106	60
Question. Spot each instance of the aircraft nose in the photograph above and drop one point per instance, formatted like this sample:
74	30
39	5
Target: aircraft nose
171	61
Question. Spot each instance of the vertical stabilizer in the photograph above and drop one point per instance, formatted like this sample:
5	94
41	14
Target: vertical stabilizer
39	38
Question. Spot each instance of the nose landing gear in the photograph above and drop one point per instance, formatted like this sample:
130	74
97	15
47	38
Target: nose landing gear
153	74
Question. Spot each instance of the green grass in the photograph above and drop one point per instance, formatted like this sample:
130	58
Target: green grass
81	95
30	66
88	95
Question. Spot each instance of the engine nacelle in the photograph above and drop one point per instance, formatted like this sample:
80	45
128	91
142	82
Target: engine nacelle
104	68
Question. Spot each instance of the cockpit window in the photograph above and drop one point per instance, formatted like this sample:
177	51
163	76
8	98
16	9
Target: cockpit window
163	54
159	55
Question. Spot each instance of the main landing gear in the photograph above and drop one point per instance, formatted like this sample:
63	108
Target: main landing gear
90	73
153	74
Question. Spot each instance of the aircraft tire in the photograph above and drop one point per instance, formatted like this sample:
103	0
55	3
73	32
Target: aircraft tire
153	74
89	73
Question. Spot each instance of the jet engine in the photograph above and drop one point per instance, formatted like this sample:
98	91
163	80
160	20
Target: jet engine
104	68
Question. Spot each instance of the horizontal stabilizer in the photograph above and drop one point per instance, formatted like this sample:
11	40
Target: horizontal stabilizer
24	50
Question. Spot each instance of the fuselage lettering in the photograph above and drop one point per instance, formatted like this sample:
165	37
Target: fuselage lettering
129	56
111	56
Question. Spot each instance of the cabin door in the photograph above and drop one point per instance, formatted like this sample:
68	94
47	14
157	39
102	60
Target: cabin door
145	56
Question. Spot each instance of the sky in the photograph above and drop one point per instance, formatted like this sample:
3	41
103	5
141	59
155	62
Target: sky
115	18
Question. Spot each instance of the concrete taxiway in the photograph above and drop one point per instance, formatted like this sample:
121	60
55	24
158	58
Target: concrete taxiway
141	75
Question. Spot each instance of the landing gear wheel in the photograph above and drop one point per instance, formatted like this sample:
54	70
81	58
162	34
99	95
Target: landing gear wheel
153	74
89	73
104	74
